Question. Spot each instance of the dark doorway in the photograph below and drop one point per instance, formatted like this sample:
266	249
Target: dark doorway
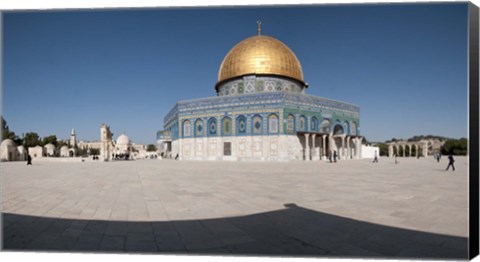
227	148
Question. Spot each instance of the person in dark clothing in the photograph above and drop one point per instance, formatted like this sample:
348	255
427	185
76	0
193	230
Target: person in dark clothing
29	160
335	156
450	163
176	157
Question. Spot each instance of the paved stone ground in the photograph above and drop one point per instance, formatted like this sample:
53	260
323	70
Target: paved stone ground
353	208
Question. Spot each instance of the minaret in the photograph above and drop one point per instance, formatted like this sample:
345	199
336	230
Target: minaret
73	141
106	143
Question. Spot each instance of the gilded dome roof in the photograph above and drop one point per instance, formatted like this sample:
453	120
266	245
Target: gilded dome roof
260	55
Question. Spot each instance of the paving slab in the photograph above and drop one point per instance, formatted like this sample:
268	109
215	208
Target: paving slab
355	208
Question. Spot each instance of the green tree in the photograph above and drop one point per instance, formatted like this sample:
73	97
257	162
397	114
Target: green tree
7	134
52	139
94	151
5	129
383	149
32	139
83	152
151	148
455	147
61	143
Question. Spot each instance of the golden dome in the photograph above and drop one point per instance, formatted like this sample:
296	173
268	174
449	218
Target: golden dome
260	55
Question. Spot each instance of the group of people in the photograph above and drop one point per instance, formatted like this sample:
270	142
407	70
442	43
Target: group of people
437	157
331	156
121	156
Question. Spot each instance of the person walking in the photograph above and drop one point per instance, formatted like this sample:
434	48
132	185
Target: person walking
375	158
29	160
395	157
450	162
335	156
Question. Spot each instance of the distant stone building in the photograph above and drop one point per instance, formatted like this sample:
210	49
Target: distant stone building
37	152
50	150
424	147
65	152
123	145
9	151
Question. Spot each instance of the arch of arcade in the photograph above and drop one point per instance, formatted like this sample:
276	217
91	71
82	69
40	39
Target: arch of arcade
395	147
319	145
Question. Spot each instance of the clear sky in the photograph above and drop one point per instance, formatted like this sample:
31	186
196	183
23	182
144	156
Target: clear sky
405	65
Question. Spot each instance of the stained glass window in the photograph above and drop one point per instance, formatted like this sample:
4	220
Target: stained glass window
257	124
314	124
186	128
290	124
227	126
212	126
199	127
241	125
273	124
302	123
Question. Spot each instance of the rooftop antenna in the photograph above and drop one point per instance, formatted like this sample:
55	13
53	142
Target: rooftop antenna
259	24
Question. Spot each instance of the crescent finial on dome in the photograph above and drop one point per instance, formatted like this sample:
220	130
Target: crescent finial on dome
259	26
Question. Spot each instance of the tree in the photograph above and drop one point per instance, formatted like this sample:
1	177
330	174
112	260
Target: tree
61	143
5	130
32	139
52	139
455	147
7	134
94	151
151	148
383	149
83	152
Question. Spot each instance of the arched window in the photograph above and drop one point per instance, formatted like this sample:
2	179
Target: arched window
346	127
186	128
257	124
199	128
290	124
273	124
325	126
241	125
353	128
303	123
314	124
212	126
338	129
226	126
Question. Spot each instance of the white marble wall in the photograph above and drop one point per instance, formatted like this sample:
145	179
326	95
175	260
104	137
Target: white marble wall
251	148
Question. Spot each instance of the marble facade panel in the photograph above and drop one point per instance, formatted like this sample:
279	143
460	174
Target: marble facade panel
248	148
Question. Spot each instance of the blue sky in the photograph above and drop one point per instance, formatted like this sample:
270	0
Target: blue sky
405	65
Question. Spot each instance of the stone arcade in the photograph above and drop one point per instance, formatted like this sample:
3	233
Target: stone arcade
261	112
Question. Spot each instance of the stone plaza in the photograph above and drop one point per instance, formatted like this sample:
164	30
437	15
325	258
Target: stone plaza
355	208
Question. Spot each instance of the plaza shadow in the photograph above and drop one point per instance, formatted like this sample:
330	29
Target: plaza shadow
293	231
